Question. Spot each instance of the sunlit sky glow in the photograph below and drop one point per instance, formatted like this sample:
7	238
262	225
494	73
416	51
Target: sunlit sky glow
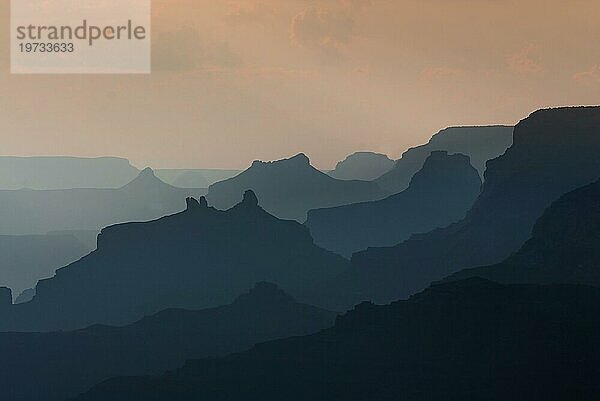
235	81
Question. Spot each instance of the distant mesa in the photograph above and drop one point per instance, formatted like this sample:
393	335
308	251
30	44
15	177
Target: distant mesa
40	362
38	212
289	188
57	172
439	194
198	258
364	166
479	143
472	339
555	151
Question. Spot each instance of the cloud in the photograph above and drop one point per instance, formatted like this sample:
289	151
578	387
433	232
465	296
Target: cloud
589	76
186	50
322	29
525	61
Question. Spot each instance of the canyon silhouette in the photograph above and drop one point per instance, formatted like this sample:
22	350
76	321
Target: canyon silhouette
439	194
201	257
471	339
479	143
29	258
554	152
40	362
564	246
445	286
364	166
146	197
324	200
289	188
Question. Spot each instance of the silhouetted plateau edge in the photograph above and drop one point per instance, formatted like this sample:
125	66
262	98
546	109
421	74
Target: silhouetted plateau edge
289	188
470	339
58	172
39	363
198	258
554	152
364	166
39	212
479	143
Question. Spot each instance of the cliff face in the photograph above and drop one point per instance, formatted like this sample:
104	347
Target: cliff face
199	258
564	246
439	194
479	143
554	152
290	188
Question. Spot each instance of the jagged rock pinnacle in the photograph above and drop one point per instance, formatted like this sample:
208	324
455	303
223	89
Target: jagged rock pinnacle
5	297
301	158
192	203
250	198
195	204
147	172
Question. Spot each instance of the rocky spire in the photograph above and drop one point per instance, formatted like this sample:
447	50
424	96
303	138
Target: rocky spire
5	297
250	198
196	204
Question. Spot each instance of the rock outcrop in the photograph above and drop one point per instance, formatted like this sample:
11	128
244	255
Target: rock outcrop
290	188
469	340
479	143
555	151
362	166
198	258
564	247
39	363
5	298
39	212
439	194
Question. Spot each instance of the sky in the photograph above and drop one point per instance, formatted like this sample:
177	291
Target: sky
238	80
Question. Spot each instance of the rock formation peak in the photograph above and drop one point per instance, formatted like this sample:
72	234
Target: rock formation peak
300	158
196	204
145	178
250	198
5	297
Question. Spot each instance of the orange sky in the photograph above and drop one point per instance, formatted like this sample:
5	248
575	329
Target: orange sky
240	80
